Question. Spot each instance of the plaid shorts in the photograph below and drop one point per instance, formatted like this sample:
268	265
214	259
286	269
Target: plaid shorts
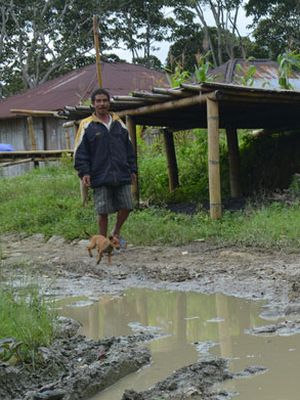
109	199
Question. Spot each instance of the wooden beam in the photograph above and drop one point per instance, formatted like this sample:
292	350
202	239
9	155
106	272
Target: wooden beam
131	126
125	99
214	159
169	105
171	159
171	92
249	97
17	162
43	154
45	136
34	113
151	96
234	162
193	88
68	138
70	124
31	132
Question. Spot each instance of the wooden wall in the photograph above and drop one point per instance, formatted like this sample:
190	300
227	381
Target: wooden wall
49	133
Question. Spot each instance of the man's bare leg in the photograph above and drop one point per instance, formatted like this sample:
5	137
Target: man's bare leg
103	223
121	218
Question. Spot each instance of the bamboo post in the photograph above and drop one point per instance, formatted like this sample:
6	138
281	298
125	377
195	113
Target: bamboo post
97	49
234	162
171	160
31	133
83	189
214	159
131	126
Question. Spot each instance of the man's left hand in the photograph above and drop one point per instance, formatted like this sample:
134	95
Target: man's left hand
133	178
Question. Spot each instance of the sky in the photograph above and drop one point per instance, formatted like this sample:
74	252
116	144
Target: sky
162	53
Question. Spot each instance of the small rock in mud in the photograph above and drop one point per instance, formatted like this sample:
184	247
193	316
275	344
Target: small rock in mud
55	394
132	395
66	327
249	371
285	328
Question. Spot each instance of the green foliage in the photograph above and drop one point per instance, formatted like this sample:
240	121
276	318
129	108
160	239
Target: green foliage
269	162
40	40
44	191
273	225
202	68
276	25
264	226
178	77
288	62
246	78
27	322
150	62
48	200
294	187
188	41
191	152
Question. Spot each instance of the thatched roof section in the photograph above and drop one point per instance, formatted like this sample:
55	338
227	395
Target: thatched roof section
185	107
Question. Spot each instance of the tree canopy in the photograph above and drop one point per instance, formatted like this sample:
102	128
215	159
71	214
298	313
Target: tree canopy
40	39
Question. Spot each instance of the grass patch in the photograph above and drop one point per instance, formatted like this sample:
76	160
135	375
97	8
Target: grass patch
48	201
28	320
274	226
45	201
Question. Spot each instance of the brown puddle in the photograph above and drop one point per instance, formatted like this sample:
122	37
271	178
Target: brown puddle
216	323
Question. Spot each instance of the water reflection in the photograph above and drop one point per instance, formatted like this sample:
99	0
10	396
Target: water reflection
190	318
187	316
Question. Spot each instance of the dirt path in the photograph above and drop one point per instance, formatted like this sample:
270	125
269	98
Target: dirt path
198	266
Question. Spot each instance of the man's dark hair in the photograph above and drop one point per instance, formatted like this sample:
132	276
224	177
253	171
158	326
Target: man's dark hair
99	91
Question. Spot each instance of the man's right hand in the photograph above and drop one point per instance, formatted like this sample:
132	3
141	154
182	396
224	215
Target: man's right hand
86	180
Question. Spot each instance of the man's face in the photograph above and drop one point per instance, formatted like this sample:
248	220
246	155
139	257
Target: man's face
101	104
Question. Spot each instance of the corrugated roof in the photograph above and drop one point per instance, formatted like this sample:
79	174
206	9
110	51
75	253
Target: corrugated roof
77	86
266	75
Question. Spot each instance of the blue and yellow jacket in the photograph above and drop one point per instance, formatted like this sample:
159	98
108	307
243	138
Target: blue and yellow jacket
106	155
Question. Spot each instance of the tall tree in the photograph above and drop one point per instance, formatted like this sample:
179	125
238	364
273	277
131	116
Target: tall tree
277	25
225	14
42	39
138	25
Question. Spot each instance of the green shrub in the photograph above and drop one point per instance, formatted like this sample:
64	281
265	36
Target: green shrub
27	320
294	187
269	162
191	153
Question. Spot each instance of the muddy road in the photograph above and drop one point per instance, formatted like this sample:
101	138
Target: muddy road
242	272
64	269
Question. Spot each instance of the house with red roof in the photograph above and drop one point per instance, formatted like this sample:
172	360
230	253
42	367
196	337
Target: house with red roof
72	89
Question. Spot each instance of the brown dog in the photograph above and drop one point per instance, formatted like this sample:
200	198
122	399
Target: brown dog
103	245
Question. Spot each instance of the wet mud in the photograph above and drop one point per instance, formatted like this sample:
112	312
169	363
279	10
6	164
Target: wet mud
64	269
74	367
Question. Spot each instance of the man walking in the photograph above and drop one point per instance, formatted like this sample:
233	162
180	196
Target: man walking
105	161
